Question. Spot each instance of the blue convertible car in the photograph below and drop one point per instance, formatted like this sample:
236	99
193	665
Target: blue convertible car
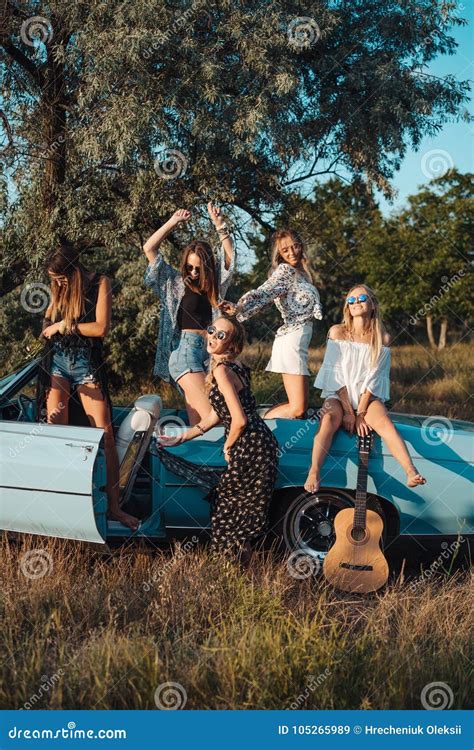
52	477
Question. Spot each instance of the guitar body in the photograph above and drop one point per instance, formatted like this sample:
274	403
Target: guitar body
355	562
353	565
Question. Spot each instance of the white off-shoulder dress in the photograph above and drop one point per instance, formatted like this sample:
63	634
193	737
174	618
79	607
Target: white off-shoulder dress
348	363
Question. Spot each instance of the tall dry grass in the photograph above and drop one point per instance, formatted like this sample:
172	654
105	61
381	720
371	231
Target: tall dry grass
89	634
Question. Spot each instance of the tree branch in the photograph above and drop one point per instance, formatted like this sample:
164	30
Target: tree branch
25	62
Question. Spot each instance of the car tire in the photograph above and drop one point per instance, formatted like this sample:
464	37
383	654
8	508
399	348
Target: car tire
303	523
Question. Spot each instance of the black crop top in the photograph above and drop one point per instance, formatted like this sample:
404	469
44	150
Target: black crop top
195	310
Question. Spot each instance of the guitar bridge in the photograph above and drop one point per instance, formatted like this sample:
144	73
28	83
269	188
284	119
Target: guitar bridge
349	566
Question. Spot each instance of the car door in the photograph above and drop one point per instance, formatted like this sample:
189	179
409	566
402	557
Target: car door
52	480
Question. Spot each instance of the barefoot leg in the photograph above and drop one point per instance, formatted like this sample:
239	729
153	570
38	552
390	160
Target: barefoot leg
378	419
331	420
98	412
296	387
197	401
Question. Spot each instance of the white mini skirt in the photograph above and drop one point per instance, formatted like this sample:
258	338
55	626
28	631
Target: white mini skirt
290	352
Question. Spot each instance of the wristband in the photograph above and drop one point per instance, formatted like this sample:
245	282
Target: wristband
362	413
200	428
223	228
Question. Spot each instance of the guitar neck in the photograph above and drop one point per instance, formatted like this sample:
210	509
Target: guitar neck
360	505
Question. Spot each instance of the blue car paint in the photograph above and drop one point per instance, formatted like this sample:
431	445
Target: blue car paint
444	506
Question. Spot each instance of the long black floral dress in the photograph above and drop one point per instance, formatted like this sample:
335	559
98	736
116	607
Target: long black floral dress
242	496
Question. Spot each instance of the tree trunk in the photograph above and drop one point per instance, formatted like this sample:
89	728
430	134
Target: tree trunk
429	331
442	334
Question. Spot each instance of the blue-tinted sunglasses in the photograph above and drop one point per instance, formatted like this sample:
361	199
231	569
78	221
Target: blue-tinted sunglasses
360	298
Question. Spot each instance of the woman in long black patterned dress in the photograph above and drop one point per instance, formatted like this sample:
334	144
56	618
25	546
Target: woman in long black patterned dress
242	496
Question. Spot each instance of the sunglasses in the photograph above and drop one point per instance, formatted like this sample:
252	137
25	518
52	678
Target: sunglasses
213	331
360	298
190	268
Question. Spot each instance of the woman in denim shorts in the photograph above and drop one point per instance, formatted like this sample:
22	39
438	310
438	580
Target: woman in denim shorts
190	299
76	322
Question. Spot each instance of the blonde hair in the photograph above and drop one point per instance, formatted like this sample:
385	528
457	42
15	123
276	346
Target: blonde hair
304	264
67	300
235	343
377	328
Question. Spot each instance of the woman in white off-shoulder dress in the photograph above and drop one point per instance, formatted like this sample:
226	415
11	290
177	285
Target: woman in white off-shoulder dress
355	384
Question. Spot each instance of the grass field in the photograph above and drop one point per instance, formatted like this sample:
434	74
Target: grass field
109	631
82	629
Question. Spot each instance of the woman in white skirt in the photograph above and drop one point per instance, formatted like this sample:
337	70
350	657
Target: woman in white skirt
355	383
290	287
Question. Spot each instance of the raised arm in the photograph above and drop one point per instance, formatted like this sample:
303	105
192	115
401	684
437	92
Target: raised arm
223	232
151	246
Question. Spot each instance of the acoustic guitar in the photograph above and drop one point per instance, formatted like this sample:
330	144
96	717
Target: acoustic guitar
355	562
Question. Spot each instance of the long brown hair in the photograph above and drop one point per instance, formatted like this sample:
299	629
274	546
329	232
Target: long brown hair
304	265
67	299
208	275
377	328
235	344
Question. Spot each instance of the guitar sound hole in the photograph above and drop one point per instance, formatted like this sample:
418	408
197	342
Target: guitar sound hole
358	533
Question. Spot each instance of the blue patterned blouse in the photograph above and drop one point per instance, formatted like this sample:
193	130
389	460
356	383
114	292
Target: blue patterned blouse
169	287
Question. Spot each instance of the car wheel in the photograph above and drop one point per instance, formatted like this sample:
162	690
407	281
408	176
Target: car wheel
305	523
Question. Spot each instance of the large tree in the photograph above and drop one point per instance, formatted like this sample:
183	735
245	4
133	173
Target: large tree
116	112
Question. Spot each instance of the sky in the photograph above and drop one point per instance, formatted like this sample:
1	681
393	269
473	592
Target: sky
454	144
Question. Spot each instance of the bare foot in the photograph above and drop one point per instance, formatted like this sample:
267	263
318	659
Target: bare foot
312	481
125	518
414	478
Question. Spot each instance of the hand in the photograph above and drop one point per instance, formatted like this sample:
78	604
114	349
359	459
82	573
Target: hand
182	214
227	307
215	214
227	449
171	439
51	330
348	421
362	428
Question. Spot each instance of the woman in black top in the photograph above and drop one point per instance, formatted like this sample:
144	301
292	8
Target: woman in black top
76	322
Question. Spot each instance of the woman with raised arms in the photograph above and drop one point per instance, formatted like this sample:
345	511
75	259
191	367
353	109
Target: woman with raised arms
189	298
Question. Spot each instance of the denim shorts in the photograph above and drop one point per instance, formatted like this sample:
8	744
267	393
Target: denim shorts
190	356
75	366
